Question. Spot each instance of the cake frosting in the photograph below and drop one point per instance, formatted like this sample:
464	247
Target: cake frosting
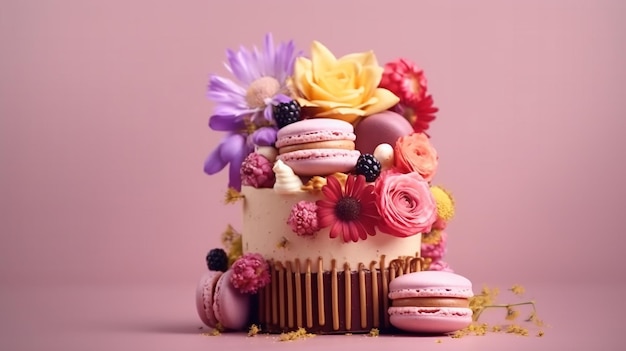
330	161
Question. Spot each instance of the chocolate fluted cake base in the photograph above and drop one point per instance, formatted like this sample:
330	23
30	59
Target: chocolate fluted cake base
333	302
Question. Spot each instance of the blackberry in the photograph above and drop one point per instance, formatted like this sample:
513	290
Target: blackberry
217	260
368	166
286	113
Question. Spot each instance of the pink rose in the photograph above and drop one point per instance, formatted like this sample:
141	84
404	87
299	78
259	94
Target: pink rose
414	153
405	203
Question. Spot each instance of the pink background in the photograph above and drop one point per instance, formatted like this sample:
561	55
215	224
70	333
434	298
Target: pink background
103	133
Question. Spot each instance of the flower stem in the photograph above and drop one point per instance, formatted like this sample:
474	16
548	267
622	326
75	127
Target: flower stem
477	315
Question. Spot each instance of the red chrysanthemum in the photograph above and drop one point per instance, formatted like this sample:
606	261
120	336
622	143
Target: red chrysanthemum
350	213
405	79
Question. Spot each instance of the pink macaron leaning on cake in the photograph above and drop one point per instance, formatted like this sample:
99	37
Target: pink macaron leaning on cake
434	302
220	304
318	146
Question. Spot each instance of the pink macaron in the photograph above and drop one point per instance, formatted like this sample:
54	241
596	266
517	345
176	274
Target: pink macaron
204	297
430	302
219	303
318	146
380	128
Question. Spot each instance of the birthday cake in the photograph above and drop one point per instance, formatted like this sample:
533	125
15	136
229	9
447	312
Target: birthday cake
330	160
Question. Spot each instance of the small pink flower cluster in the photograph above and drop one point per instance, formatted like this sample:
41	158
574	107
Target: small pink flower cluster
250	273
435	252
256	171
303	218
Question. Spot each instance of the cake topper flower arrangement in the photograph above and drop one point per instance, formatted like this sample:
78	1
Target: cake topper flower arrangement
366	183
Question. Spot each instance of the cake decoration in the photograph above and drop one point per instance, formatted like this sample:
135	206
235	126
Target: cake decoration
350	212
286	180
250	273
405	79
331	160
303	218
244	110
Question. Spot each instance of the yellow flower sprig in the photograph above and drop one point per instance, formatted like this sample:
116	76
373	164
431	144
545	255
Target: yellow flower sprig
231	239
254	330
487	300
232	196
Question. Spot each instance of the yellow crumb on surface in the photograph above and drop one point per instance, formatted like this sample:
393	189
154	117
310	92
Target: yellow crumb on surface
535	320
295	335
518	289
232	196
254	330
212	332
511	313
438	341
517	329
374	332
540	333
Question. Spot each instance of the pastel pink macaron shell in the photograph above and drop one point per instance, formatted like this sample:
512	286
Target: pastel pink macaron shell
430	284
204	297
380	128
231	307
430	319
435	320
311	162
314	130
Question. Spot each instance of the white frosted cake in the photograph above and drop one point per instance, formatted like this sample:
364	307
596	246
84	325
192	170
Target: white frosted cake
329	158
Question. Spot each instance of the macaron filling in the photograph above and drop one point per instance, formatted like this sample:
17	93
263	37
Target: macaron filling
431	302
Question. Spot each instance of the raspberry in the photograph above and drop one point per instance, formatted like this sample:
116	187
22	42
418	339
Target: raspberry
286	113
217	260
368	166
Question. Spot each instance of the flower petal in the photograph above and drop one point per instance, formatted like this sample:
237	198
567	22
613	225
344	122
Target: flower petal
347	114
228	123
322	58
214	162
302	74
265	136
335	230
370	79
364	58
386	100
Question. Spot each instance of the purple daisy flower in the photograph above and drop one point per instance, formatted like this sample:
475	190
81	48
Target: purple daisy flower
245	110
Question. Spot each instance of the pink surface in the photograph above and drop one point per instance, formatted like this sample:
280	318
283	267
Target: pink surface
103	132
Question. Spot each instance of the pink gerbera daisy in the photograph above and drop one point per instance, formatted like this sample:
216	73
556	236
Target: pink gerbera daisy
405	79
350	213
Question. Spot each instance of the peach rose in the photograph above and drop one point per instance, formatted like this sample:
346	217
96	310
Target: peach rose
405	204
414	153
344	88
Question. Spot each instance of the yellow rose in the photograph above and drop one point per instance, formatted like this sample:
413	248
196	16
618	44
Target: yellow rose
344	88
